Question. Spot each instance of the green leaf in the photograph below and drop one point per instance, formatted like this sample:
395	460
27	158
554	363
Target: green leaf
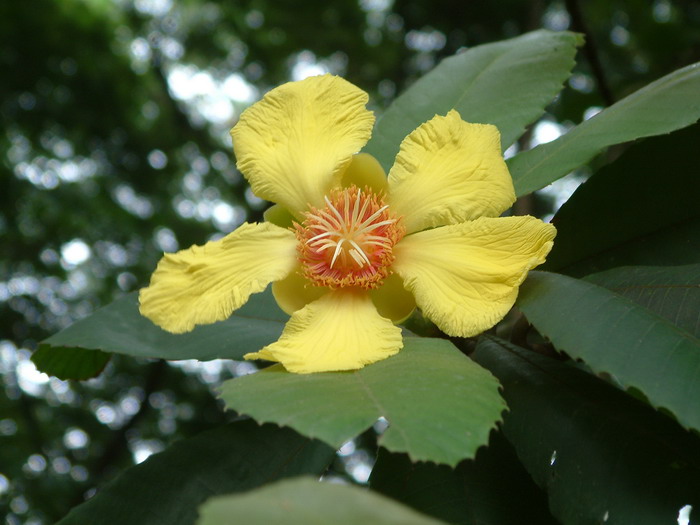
612	334
676	244
673	292
601	455
440	405
668	104
70	363
623	214
493	489
304	501
120	328
167	488
506	83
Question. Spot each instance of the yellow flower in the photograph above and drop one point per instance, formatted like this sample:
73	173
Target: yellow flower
364	249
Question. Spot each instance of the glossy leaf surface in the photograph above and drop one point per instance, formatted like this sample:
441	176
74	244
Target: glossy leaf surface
303	501
670	103
120	328
615	335
491	489
167	488
488	84
601	455
673	292
439	404
641	209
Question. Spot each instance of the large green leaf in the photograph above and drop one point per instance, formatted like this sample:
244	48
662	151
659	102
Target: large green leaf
612	334
120	328
648	193
601	455
440	405
167	488
668	104
676	244
673	292
506	83
305	501
70	363
493	489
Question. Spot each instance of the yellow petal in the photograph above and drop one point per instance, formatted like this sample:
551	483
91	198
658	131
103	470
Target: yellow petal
262	354
295	291
465	277
365	171
340	331
449	171
392	300
295	143
204	284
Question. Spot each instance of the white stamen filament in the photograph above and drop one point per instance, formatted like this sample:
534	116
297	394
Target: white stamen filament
330	244
357	257
375	226
337	251
373	216
356	209
334	210
319	236
347	233
329	221
360	252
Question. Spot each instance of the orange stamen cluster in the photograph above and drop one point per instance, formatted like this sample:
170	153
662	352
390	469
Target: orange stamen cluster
350	241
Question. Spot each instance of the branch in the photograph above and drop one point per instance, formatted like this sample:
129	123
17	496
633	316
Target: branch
590	50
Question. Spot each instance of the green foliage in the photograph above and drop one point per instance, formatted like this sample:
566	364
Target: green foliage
640	209
670	103
493	489
119	328
601	455
439	405
635	346
303	500
673	292
67	362
231	458
472	83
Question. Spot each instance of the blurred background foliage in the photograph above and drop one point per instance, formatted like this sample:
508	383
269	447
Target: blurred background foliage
114	147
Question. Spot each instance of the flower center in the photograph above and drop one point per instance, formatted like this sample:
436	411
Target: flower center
350	241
